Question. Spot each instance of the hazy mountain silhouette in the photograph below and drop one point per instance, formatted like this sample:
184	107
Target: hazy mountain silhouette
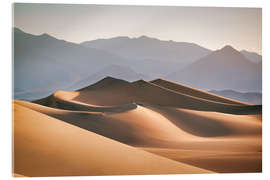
116	71
43	63
223	69
249	97
252	56
148	48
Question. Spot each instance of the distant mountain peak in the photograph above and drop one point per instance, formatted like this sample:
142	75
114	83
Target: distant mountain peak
17	30
47	36
121	37
228	51
21	32
144	37
228	48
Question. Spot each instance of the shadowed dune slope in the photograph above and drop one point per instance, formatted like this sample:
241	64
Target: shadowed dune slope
64	100
147	92
107	81
45	146
194	92
211	124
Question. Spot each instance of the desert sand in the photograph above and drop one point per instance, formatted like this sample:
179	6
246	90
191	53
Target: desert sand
115	127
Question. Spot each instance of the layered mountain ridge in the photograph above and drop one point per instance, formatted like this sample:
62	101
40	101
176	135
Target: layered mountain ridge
58	64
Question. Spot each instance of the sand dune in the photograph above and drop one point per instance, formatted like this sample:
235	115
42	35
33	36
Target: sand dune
157	95
45	146
218	161
194	92
107	81
209	124
139	127
114	92
107	92
174	122
167	127
64	100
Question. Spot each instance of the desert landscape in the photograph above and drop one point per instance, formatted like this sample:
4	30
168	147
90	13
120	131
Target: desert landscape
127	90
116	127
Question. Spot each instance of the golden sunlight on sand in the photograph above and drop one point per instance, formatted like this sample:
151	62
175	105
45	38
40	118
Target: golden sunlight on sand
115	127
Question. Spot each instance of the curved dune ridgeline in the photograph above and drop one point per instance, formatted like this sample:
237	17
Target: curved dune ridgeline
63	100
183	130
194	92
154	94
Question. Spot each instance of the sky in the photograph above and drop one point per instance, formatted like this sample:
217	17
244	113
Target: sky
210	27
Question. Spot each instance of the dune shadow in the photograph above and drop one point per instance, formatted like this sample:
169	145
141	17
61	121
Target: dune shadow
58	103
98	124
194	124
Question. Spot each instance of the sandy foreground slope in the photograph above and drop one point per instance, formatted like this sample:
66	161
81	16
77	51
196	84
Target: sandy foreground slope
169	120
45	146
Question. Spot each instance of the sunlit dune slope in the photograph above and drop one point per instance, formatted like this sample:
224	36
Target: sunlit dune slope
167	127
218	161
64	100
46	146
107	92
140	126
194	92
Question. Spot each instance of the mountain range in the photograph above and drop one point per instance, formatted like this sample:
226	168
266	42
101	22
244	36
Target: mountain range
225	68
44	64
252	56
146	48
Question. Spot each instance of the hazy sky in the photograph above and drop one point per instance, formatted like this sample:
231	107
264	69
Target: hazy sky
212	28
